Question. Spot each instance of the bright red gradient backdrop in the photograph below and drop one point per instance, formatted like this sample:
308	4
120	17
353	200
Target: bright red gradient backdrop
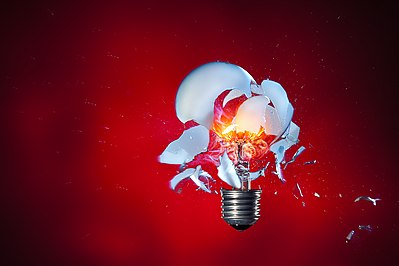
87	104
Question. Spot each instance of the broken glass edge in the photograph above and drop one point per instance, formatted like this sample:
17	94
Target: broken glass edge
367	198
255	175
296	154
200	88
350	236
233	94
227	172
191	142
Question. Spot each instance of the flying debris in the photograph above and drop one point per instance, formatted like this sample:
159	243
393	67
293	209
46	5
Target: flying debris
297	153
310	162
374	201
365	227
298	191
349	236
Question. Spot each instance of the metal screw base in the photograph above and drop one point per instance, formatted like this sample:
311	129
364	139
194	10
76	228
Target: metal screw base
240	209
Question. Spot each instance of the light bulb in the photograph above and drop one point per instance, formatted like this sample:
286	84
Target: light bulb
232	123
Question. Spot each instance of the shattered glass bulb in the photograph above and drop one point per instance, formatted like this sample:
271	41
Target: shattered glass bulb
232	124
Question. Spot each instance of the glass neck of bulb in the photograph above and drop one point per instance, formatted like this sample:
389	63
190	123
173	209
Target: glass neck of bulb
242	169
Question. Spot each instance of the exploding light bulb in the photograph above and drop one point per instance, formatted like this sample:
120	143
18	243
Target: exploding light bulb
232	123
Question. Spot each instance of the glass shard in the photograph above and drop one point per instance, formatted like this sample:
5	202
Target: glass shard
299	189
296	154
227	173
255	175
349	236
316	195
366	198
368	227
290	139
279	147
194	175
192	142
233	94
255	88
277	95
181	176
195	178
198	91
251	114
273	124
293	133
279	173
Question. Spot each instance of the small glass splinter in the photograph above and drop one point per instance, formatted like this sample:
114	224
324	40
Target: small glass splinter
366	198
349	236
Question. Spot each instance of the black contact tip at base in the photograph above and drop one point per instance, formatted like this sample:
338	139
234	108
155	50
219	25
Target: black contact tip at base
241	227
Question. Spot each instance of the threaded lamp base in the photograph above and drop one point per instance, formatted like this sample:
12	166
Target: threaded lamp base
240	209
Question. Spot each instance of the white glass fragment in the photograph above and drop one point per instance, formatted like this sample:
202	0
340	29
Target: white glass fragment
278	149
296	154
251	114
273	124
316	195
277	95
290	139
195	178
279	173
255	88
198	91
299	190
349	236
279	152
293	134
194	175
368	227
227	173
181	176
366	198
232	95
255	175
192	142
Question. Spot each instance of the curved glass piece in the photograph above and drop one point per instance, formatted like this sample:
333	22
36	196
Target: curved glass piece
192	142
194	175
251	114
180	177
273	125
232	95
278	97
198	91
227	172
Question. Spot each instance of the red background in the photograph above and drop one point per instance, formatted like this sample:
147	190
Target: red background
87	104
